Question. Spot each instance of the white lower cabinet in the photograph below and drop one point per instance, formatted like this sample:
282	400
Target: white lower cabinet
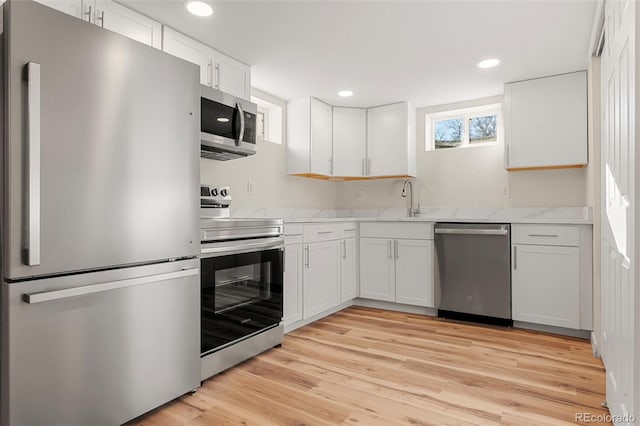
377	269
397	270
414	270
321	277
545	285
348	269
292	286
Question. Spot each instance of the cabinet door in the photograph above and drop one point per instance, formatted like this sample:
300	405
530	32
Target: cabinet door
122	20
414	272
231	76
348	265
387	139
545	285
546	121
293	263
321	277
377	269
190	50
321	134
70	7
349	141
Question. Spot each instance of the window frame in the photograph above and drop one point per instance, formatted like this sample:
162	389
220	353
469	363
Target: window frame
273	117
466	114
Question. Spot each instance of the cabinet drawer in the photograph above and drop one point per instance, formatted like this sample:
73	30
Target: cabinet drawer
414	231
321	232
293	229
547	235
348	230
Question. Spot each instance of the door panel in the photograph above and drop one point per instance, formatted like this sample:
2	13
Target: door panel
377	269
545	285
321	149
103	357
321	277
292	283
232	76
190	50
348	269
119	166
119	19
387	128
619	299
349	141
414	272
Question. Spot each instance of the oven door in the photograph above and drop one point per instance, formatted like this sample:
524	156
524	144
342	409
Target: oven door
241	293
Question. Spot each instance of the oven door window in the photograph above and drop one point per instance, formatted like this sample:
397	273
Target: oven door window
241	295
218	119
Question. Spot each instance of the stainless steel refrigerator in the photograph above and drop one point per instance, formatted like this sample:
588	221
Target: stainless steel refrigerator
100	178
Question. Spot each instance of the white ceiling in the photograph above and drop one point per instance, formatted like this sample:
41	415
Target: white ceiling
386	51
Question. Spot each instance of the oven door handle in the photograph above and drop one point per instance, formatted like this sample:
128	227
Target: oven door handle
235	247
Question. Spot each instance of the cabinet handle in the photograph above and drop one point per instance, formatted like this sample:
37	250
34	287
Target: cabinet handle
395	248
218	76
515	257
350	230
544	235
390	249
344	249
101	18
88	13
306	255
368	166
325	232
363	170
209	74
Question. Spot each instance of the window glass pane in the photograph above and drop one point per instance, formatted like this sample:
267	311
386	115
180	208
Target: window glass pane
448	133
483	129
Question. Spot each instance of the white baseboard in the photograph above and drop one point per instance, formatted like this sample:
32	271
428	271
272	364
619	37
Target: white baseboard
392	306
582	334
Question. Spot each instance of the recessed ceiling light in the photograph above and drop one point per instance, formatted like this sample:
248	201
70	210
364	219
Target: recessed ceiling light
345	93
199	8
223	119
488	63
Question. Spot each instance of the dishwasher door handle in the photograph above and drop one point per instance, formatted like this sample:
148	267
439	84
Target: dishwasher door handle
454	231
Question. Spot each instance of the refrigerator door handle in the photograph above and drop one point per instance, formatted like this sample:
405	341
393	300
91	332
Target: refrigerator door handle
32	75
47	296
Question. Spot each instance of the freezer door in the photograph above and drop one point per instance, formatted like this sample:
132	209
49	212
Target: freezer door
101	147
100	348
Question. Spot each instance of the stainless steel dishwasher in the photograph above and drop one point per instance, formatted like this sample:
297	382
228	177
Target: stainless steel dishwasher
473	272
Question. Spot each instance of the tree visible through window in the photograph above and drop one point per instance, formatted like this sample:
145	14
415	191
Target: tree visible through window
463	127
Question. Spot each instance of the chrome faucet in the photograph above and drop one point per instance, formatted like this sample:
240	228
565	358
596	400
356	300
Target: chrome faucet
413	212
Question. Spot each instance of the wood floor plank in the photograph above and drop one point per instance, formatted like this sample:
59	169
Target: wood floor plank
365	366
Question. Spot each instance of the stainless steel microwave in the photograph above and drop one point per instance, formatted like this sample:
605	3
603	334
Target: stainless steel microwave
228	125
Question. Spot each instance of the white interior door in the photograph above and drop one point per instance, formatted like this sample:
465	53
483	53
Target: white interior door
618	340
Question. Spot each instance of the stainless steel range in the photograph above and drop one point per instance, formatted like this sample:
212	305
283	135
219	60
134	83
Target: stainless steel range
241	281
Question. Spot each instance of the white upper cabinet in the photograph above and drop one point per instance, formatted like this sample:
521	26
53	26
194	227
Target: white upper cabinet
391	142
326	141
349	141
546	122
70	7
216	70
112	16
183	47
309	147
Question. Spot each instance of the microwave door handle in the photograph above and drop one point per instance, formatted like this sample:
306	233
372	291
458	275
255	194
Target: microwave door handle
241	134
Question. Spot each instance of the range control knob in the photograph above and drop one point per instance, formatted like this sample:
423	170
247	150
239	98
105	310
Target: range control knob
214	192
224	192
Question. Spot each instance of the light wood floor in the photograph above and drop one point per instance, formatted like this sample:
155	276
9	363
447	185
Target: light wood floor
371	367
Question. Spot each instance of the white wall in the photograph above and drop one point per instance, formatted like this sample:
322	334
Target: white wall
266	171
468	177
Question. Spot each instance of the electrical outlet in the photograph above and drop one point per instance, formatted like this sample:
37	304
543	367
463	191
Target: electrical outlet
505	191
250	188
360	195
